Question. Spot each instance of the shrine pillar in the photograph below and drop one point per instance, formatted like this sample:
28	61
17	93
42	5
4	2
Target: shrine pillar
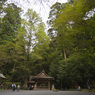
49	85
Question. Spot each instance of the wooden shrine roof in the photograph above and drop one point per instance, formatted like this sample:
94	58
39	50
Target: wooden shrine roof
42	75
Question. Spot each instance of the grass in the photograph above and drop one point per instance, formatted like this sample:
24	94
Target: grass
1	89
85	90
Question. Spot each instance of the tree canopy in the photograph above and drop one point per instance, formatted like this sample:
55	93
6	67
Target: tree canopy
65	50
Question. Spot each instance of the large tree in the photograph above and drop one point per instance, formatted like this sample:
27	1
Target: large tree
54	11
31	26
40	51
11	51
10	22
76	35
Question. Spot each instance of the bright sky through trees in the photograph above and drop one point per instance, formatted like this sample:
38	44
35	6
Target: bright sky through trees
42	7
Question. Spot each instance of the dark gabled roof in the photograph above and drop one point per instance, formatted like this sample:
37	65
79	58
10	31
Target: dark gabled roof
43	75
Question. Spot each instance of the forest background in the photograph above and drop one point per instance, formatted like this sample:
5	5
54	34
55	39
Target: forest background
66	52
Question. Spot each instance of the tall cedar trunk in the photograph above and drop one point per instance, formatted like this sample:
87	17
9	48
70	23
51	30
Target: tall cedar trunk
25	83
64	54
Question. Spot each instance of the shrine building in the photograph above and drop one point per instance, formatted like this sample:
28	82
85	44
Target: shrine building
40	82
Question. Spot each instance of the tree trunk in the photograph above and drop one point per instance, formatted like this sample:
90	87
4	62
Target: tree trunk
25	84
64	54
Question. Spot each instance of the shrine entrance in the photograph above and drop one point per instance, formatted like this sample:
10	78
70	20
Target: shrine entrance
41	81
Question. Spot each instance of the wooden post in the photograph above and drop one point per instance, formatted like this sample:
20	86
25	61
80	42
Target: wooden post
49	85
36	85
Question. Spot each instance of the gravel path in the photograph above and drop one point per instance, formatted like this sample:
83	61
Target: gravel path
27	92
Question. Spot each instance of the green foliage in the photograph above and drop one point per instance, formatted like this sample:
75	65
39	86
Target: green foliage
21	73
40	54
1	5
9	56
55	10
75	38
21	38
31	26
10	22
68	55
